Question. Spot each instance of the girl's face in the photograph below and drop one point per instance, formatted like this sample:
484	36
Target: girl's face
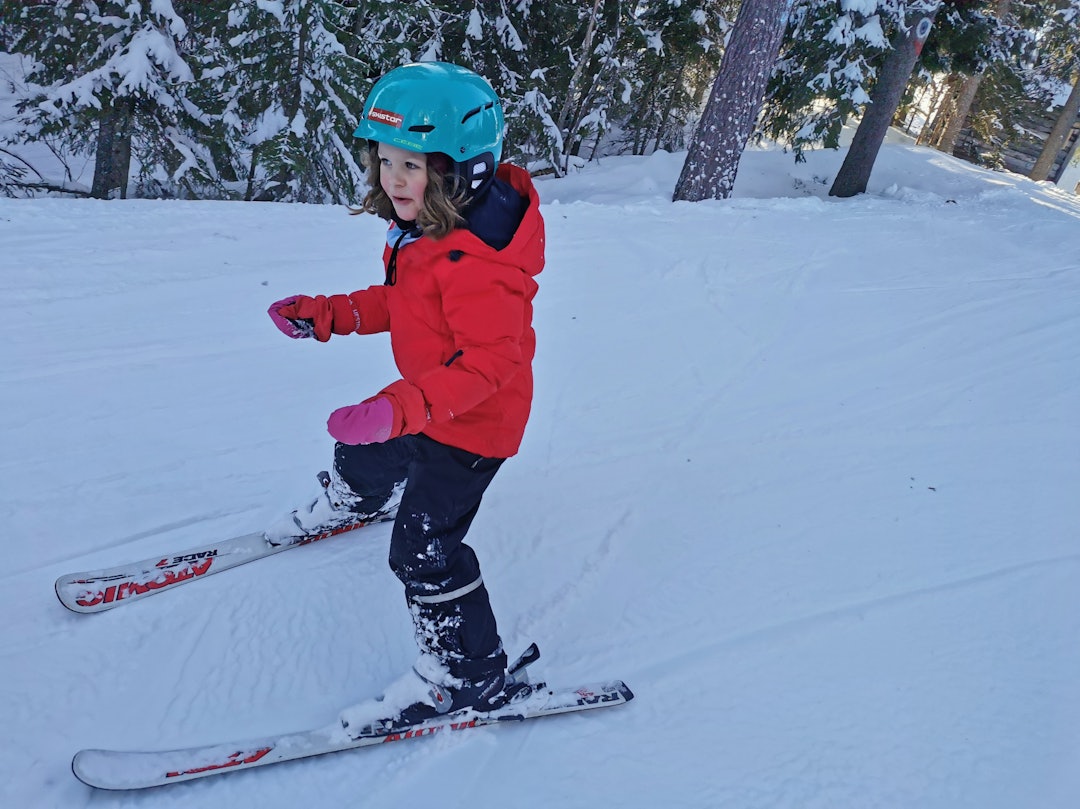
403	176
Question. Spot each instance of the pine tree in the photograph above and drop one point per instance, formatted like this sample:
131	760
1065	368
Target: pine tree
1023	72
550	31
383	34
673	64
585	71
970	52
827	63
292	97
893	78
1061	47
9	13
535	53
13	170
115	77
734	103
493	37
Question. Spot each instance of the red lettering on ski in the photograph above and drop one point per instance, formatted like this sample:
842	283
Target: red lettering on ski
333	532
234	760
430	730
119	592
414	733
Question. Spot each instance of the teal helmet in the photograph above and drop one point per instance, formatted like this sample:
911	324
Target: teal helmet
438	107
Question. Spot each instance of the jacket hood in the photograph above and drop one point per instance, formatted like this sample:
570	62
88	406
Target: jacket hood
507	214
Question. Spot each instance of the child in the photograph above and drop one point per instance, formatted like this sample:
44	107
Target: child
465	242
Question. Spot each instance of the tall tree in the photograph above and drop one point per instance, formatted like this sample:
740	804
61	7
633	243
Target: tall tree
589	82
961	103
828	60
521	48
734	103
1061	46
855	171
672	67
115	78
293	97
1055	142
496	38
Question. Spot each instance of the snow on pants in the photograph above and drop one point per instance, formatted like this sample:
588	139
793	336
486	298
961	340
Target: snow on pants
443	587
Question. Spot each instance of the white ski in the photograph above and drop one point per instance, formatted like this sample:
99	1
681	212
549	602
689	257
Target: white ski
97	590
115	770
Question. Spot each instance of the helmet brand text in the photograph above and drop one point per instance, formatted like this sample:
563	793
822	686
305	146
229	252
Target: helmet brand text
385	117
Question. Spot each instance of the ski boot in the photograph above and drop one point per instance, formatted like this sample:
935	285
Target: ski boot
429	691
335	508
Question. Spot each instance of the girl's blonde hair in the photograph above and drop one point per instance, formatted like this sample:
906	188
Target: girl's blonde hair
444	198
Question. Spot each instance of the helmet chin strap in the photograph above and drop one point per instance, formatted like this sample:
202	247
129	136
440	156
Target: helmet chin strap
409	226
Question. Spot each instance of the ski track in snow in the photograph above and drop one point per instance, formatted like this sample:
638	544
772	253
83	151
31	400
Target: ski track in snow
857	611
801	471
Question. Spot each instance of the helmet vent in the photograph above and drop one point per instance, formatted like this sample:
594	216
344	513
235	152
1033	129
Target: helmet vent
476	111
422	128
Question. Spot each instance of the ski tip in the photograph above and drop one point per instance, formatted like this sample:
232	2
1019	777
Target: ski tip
76	768
64	586
59	587
105	770
81	765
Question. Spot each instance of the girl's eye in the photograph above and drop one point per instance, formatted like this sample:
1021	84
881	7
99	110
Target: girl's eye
412	165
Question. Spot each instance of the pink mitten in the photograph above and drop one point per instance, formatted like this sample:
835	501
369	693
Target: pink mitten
370	422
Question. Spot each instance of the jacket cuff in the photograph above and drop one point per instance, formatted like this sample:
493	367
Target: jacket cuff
345	315
410	409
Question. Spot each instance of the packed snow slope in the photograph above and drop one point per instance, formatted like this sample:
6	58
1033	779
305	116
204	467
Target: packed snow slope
804	472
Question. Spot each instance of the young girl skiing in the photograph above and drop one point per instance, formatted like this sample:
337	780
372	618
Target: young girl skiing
464	245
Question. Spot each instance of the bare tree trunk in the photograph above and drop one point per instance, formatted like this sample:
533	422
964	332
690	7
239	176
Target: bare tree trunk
916	106
966	97
640	121
673	91
359	17
941	105
1069	157
571	90
959	115
895	74
1056	140
249	190
112	161
734	103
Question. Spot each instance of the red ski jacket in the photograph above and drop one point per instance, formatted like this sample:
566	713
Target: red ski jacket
459	313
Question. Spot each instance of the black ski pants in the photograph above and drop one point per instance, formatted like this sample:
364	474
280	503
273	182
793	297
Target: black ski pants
443	587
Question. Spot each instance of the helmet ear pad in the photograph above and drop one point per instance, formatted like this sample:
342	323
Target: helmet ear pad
476	171
471	173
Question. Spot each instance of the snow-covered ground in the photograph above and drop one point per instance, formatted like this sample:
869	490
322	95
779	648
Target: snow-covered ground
804	472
